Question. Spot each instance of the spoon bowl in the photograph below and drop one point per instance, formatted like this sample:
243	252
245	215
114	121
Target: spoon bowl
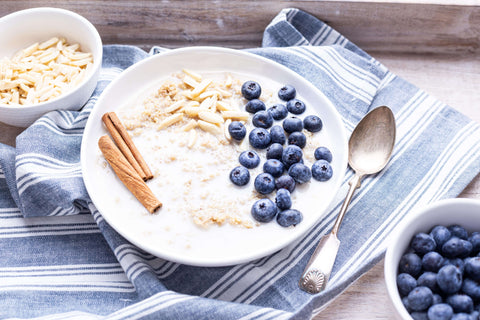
370	148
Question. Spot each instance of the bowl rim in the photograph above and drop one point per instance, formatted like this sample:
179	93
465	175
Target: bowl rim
98	51
390	265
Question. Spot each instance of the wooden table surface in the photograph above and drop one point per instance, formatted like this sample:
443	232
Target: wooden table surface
433	46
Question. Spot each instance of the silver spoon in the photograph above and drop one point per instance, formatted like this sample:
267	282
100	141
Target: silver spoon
369	150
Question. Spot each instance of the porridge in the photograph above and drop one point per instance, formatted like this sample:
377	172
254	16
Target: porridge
184	123
186	126
189	129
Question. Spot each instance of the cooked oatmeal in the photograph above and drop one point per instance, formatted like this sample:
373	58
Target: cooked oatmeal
183	121
180	126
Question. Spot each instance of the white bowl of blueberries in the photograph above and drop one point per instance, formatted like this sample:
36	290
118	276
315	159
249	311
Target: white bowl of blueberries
432	265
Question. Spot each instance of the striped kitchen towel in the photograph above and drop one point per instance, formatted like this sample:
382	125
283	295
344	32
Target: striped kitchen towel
60	259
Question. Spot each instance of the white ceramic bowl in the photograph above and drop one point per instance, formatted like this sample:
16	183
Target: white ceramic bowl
181	240
461	211
23	28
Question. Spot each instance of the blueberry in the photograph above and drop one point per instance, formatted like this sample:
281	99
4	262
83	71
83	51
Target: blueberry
290	217
428	279
474	239
456	262
461	316
237	130
240	176
262	119
255	105
251	90
296	106
274	166
406	304
405	283
441	311
283	199
298	139
285	182
449	279
437	298
410	263
458	231
312	123
275	150
249	159
264	210
287	92
460	303
472	268
264	183
322	170
417	315
420	298
277	135
423	243
432	261
278	111
291	154
472	288
323	153
300	173
259	138
440	234
456	248
292	124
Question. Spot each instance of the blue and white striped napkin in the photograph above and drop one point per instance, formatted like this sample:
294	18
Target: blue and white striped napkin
60	259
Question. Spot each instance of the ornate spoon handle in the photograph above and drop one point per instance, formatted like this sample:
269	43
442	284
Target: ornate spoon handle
317	272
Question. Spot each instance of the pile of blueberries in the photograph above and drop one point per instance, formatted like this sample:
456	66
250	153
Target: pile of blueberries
280	159
439	275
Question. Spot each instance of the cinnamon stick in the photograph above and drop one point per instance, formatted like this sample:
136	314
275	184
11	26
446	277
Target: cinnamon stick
128	175
126	145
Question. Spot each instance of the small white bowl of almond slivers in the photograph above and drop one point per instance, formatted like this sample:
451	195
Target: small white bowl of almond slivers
432	266
246	155
50	59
